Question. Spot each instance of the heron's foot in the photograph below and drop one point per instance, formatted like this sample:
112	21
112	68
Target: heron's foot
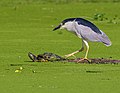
69	55
83	60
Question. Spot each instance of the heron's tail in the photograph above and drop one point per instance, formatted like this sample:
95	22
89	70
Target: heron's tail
108	43
105	39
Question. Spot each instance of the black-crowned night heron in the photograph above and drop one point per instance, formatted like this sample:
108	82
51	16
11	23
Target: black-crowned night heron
85	30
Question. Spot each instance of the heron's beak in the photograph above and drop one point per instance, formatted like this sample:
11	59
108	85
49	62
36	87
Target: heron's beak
58	27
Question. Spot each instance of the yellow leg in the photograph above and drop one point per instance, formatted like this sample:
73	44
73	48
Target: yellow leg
73	54
85	58
86	43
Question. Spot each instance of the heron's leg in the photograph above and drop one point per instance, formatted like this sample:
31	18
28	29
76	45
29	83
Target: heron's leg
86	43
85	58
72	54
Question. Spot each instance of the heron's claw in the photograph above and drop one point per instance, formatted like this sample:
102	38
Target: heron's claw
83	60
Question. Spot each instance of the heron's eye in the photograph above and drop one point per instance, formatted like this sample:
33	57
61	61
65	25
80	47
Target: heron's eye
63	23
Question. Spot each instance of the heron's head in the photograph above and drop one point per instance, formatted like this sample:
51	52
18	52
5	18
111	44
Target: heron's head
58	27
65	24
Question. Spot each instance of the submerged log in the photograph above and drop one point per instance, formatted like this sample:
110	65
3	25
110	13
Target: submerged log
51	57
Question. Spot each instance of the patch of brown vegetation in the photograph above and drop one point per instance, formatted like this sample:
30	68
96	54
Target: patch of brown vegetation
95	60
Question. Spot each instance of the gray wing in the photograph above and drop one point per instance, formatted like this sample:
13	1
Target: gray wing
88	34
